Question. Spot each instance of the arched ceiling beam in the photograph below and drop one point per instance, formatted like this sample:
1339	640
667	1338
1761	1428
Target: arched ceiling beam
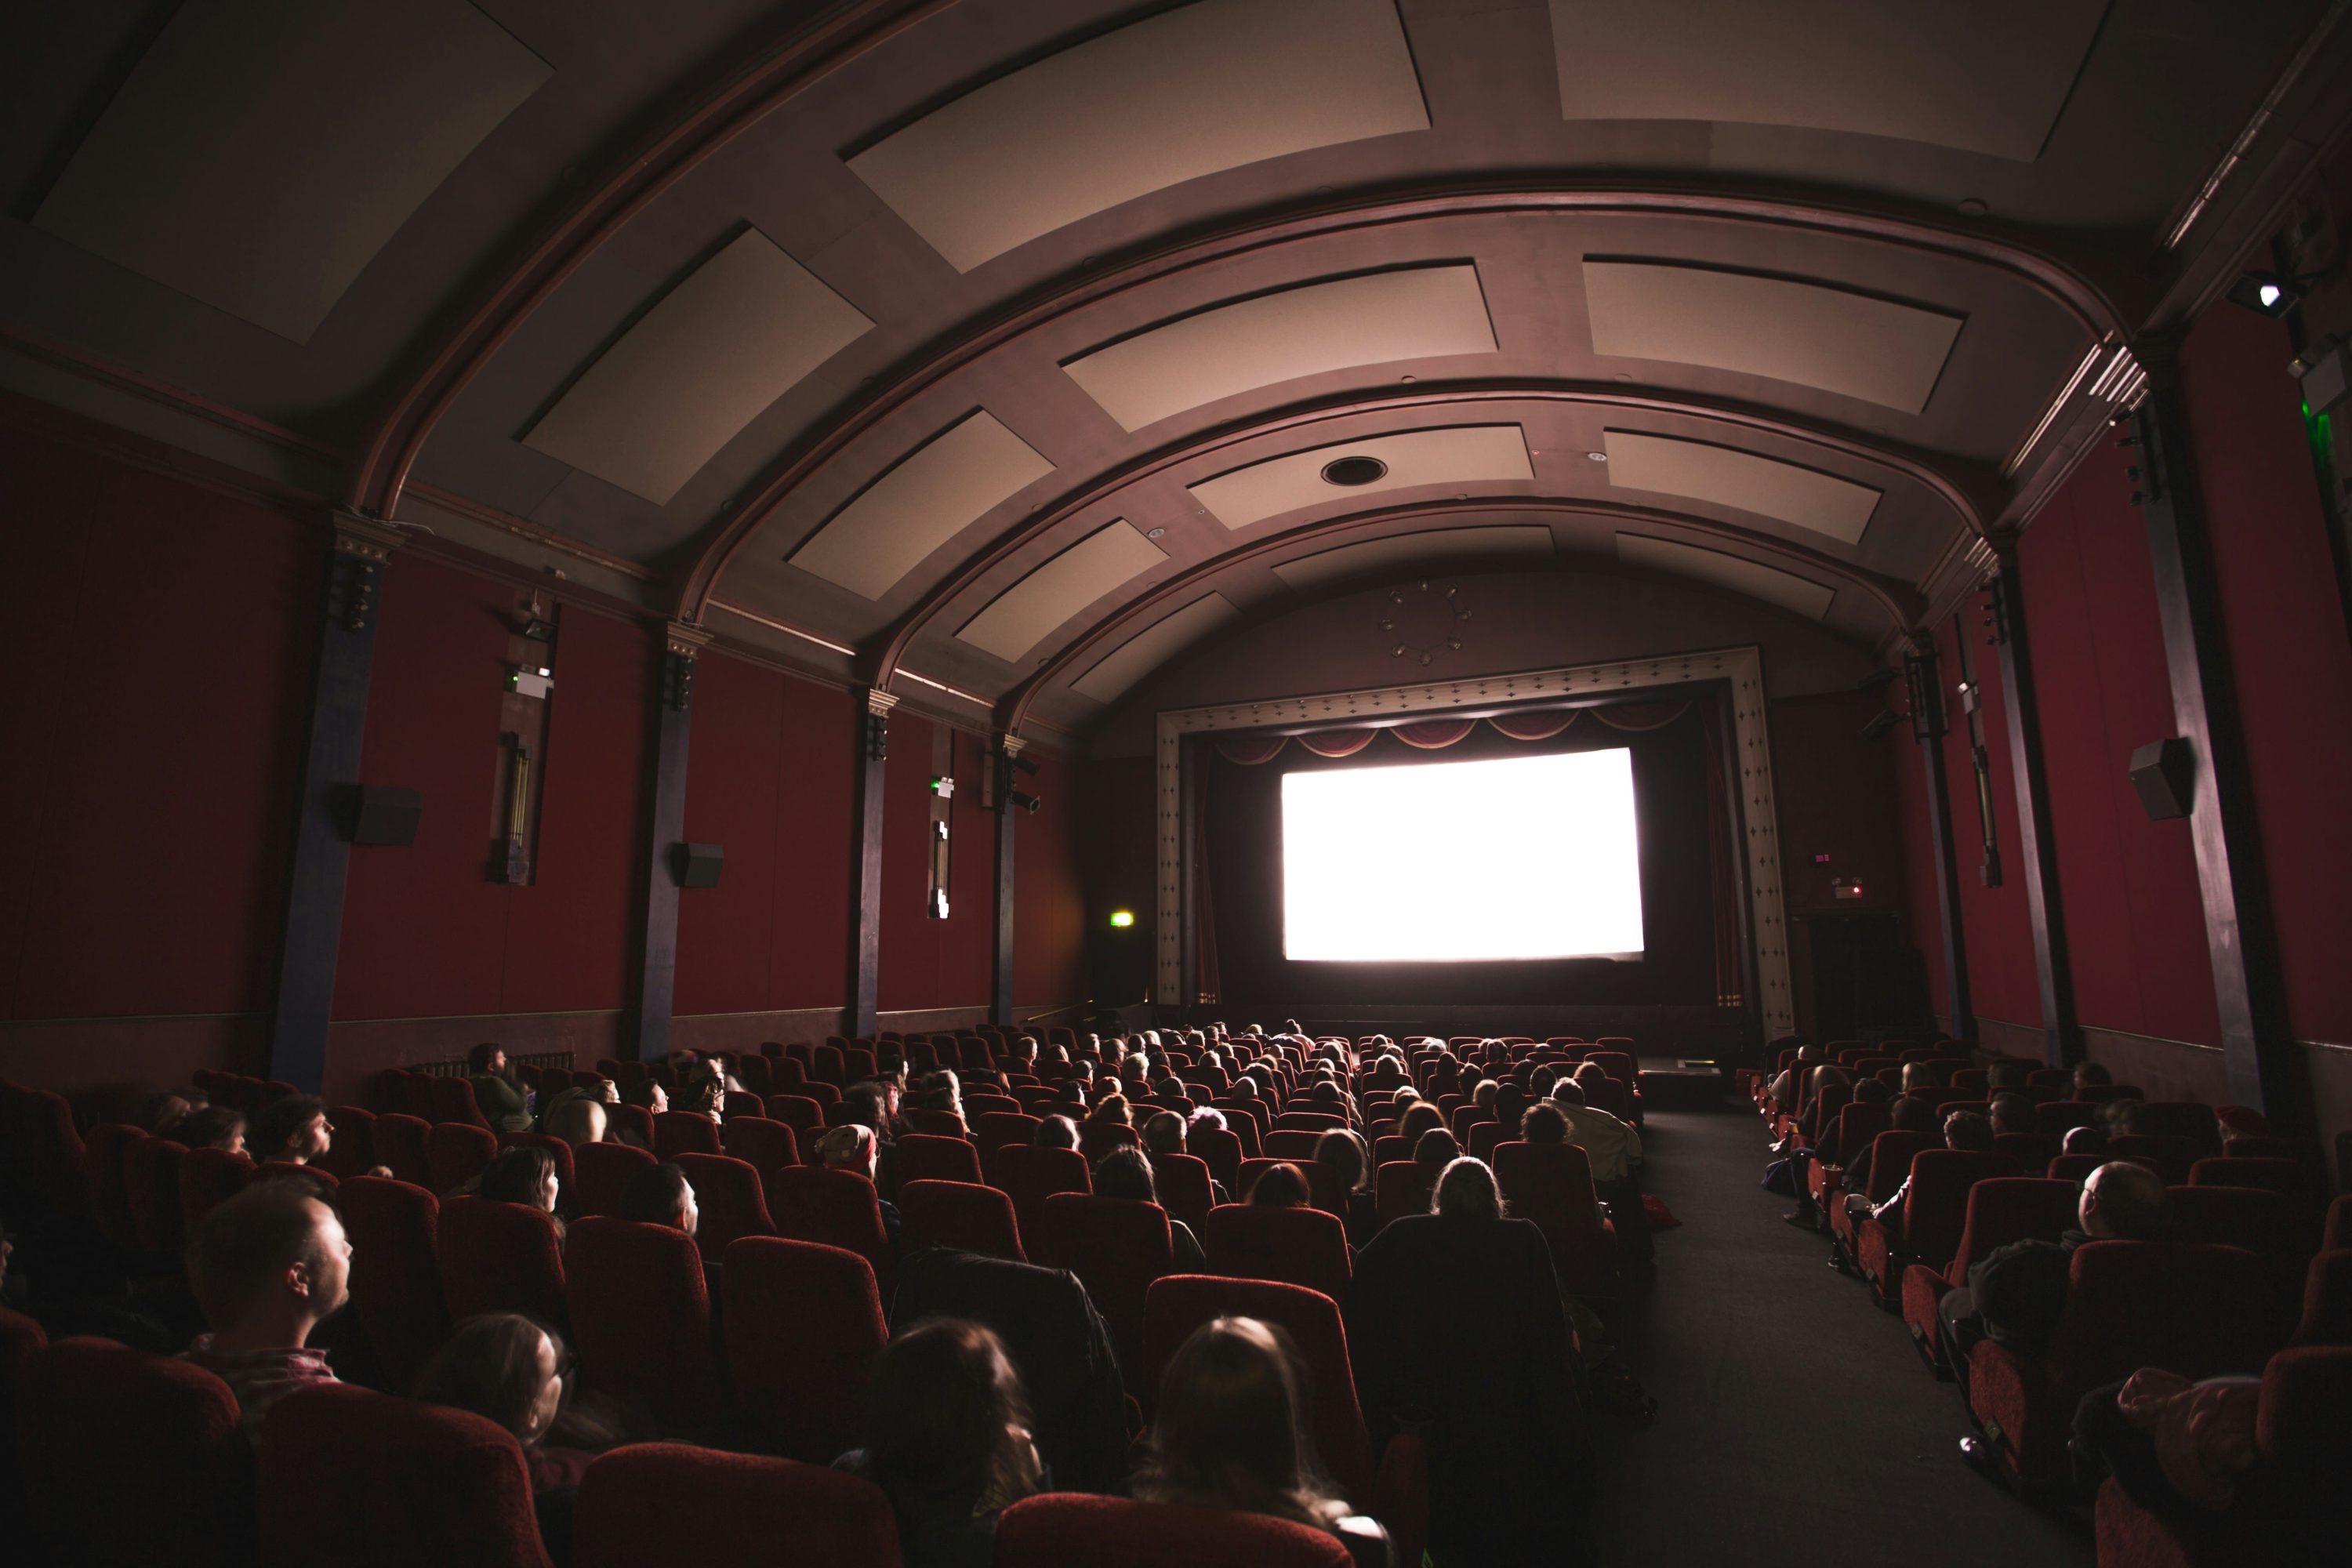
1902	603
1967	509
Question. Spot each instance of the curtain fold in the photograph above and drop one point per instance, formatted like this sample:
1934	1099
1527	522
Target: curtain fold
1637	716
1436	735
1248	750
1338	742
1722	884
1540	725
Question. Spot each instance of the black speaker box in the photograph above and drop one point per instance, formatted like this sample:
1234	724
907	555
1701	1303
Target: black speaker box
2165	773
378	813
697	864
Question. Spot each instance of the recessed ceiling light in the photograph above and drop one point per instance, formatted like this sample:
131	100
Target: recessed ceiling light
1405	378
1597	457
1355	471
1462	497
1153	533
1974	206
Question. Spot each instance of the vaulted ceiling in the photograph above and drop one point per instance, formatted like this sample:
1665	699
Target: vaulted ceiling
1002	350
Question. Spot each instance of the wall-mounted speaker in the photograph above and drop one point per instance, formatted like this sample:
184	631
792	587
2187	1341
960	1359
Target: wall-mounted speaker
696	865
378	813
2165	773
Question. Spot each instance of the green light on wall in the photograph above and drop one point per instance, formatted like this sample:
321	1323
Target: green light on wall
1122	918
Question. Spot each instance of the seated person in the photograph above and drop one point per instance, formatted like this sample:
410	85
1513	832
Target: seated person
2015	1296
578	1121
660	1195
507	1369
525	1176
1231	1432
851	1147
1909	1114
2091	1075
649	1097
2011	1114
502	1102
269	1267
2088	1140
1281	1187
1127	1173
214	1127
1054	1133
946	1440
1341	1151
1963	1130
1433	1151
1783	1089
1613	1150
292	1131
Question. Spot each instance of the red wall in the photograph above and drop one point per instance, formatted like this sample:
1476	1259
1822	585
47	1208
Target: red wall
157	638
1049	906
2002	980
1922	909
1835	794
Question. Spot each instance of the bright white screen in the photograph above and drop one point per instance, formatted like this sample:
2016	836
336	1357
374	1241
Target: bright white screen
1521	857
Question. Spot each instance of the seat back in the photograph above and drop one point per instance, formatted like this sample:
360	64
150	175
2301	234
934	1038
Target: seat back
458	1152
400	1145
2057	1118
1097	1138
835	1208
1183	1184
1937	1207
1856	1126
929	1157
1218	1148
2172	1157
2288	1178
994	1130
727	1191
679	1132
353	1150
2012	1208
1891	1154
1400	1187
207	1177
1030	1175
453	1100
1298	1246
151	1186
763	1143
2327	1315
1069	1529
2153	1303
962	1215
348	1475
499	1258
641	1319
1116	1248
567	1175
98	1424
2189	1119
1181	1303
1551	1184
673	1502
605	1171
107	1153
804	1323
394	1228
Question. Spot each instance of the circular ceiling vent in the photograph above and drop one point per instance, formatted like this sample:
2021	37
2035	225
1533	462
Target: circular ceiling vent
1354	471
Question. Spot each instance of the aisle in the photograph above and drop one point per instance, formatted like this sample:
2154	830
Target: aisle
1797	1423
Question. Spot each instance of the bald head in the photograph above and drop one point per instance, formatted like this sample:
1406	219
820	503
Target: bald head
2123	1201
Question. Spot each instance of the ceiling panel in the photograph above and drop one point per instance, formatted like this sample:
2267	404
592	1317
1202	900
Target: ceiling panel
1808	498
262	152
1028	612
734	336
1756	581
1528	539
1188	92
933	494
1810	333
1418	312
1153	647
1989	76
1461	454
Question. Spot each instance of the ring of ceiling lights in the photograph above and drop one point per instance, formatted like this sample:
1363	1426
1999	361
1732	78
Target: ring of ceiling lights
1901	603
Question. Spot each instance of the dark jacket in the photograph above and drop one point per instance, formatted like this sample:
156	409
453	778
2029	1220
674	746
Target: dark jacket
2019	1291
1054	1337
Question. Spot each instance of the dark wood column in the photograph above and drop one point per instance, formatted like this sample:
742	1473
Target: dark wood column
1000	994
2265	1067
356	560
1929	724
865	922
2062	1033
672	729
1188	873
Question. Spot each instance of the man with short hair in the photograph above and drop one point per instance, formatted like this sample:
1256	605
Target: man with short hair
851	1147
2017	1293
268	1265
2011	1114
660	1195
292	1131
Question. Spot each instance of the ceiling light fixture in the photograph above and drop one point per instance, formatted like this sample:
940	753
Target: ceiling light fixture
1153	533
1597	456
2265	293
1355	471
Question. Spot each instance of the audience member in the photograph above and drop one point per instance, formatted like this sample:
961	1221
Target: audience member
268	1265
946	1440
1613	1151
502	1102
1127	1173
292	1131
1163	1133
215	1127
660	1195
578	1121
2011	1114
1055	1132
2084	1140
525	1176
2091	1075
2015	1295
1280	1186
1906	1113
1435	1150
853	1147
1342	1152
510	1370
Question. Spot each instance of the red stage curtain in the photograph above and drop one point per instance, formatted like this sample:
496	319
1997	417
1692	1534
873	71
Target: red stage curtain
1436	735
1640	715
1249	751
1338	742
1540	725
1723	884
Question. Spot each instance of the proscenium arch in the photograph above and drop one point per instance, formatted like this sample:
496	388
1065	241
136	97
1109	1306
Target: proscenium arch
1904	461
1903	604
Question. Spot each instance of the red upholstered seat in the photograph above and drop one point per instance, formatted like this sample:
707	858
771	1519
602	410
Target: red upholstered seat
2263	1222
605	1171
207	1176
2327	1315
1551	1184
761	1141
394	1229
499	1258
319	1176
2288	1178
1890	1162
1097	1139
962	1215
632	1124
1999	1211
107	1153
1220	1149
2338	1231
1299	1246
803	1324
129	1457
1116	1248
641	1319
679	1132
669	1502
992	1129
931	1124
348	1475
2171	1157
1182	1182
804	1115
151	1180
2189	1119
45	1156
728	1193
400	1145
20	1336
836	1209
567	1171
1316	1122
1030	1175
1067	1530
1400	1187
458	1152
2057	1118
1927	1228
453	1100
2132	1304
1848	1136
924	1157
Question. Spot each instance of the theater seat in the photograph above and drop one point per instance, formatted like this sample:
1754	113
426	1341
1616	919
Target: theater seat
605	1171
925	1157
107	1153
453	1100
1116	1248
1298	1246
641	1319
2327	1315
499	1258
130	1458
760	1141
2261	1222
804	1323
1890	1162
20	1336
668	1503
152	1186
208	1176
962	1215
679	1132
1551	1185
1030	1175
1999	1211
1183	1182
1071	1530
727	1192
394	1229
400	1144
1927	1228
457	1153
835	1208
351	1476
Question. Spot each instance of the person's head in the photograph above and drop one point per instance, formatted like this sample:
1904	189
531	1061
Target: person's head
1967	1130
1419	1116
2122	1201
1542	1080
1543	1123
1483	1095
946	1419
1435	1150
848	1147
1810	1052
2011	1114
1244	1087
1828	1077
1112	1108
1466	1191
1163	1132
293	1128
1342	1152
1871	1091
502	1366
2086	1140
578	1121
648	1094
604	1088
486	1057
1591	1075
703	1094
1055	1132
1917	1075
1567	1091
2008	1075
1912	1114
2116	1116
271	1264
2091	1075
1125	1173
1231	1428
524	1175
1281	1187
660	1195
1207	1116
215	1127
162	1114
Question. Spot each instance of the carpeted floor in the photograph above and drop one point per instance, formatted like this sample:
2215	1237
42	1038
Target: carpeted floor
1797	1424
